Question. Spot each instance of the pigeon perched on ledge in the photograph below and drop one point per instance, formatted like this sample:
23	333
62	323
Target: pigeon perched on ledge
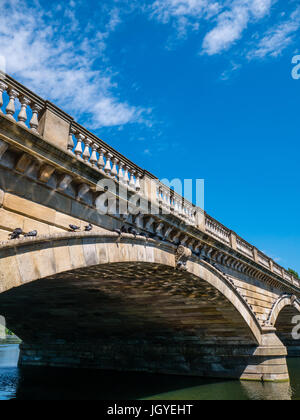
144	235
132	231
120	231
16	233
31	234
88	228
74	228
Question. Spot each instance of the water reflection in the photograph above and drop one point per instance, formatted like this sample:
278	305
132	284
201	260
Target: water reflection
268	391
72	384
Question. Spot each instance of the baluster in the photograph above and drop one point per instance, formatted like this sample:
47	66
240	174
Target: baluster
138	183
120	175
86	153
71	143
22	117
107	168
126	177
3	88
160	195
172	204
175	206
11	107
101	161
78	149
181	209
94	158
167	200
132	181
114	171
34	122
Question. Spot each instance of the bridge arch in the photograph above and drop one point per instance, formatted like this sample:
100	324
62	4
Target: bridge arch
65	255
282	318
285	301
90	300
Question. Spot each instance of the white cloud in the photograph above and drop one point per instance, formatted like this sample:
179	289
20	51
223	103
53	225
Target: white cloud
51	54
278	38
232	23
184	14
227	19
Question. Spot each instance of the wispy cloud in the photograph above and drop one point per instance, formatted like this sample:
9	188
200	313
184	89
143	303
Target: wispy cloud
184	14
232	22
234	67
54	54
228	19
221	24
277	38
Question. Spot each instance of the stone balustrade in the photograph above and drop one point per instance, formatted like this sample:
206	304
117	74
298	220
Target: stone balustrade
277	269
92	151
263	259
217	229
23	107
20	105
244	247
173	203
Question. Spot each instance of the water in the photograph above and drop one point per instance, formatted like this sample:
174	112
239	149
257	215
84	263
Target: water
72	384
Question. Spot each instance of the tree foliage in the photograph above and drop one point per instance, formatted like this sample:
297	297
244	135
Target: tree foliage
294	273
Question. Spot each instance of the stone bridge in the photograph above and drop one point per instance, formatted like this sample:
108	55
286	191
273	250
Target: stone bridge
183	294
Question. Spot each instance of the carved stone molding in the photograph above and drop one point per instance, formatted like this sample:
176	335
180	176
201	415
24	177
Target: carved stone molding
182	256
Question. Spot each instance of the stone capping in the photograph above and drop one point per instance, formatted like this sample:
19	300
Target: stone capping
17	243
38	101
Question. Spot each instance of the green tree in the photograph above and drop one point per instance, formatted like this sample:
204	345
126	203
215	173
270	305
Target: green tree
294	273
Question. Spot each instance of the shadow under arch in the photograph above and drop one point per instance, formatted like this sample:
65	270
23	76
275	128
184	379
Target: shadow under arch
87	300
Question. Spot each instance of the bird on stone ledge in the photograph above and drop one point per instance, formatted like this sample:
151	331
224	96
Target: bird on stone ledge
31	234
16	234
74	228
88	228
120	231
132	231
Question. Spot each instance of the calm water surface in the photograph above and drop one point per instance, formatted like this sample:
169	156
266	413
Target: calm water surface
50	384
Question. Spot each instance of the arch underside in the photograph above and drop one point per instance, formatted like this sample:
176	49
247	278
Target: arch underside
284	326
137	316
131	299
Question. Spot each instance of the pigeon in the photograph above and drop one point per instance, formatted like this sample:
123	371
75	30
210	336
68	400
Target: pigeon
120	231
31	234
152	235
88	228
132	231
144	234
74	228
16	233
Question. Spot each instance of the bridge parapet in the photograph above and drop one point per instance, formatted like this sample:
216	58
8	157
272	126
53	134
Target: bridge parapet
176	219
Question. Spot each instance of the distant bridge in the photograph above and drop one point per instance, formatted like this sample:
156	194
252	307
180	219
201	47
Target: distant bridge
181	295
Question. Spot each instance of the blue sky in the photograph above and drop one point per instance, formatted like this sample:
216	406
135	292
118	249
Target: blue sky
185	88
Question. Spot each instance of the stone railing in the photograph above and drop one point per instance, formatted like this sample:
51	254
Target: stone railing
41	117
88	148
173	203
217	230
29	104
263	259
244	247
